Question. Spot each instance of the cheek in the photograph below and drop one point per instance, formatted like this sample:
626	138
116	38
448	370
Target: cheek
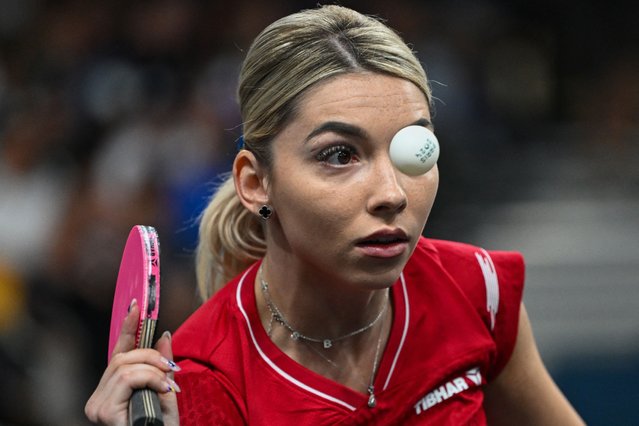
317	214
321	211
423	191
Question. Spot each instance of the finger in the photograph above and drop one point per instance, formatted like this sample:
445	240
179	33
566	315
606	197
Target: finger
139	376
163	346
126	340
119	388
111	400
168	400
114	390
149	356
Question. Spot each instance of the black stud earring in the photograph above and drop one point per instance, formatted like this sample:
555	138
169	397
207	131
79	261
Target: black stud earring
265	211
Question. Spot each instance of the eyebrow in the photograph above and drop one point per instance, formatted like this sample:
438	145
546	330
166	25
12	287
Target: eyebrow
425	123
338	127
346	129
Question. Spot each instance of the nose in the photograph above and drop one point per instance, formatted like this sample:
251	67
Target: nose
387	195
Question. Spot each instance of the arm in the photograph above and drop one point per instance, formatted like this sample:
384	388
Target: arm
524	393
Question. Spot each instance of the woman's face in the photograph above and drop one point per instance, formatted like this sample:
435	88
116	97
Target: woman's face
343	211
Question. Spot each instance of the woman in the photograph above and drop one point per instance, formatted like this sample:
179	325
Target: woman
337	311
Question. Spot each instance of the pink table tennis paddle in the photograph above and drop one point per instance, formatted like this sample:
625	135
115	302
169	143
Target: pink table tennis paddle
139	278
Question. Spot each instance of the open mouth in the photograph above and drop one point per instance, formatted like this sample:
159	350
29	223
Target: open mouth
384	244
385	240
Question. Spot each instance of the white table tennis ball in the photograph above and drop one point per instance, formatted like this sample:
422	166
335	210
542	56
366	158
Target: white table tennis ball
414	150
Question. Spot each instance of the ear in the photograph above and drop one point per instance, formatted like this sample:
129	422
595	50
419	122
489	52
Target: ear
251	183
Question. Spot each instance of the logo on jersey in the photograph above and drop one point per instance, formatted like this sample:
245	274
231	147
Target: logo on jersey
472	378
492	284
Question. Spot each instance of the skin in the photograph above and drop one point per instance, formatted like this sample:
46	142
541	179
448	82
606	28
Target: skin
131	369
524	393
324	209
331	186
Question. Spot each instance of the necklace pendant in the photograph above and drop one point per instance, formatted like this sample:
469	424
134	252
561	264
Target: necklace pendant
372	402
295	335
327	343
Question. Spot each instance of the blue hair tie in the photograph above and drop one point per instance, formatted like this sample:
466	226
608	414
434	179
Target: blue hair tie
239	144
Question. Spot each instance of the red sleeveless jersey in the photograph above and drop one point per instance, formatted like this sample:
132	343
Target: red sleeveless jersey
456	311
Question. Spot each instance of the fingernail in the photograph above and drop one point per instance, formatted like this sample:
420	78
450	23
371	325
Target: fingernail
167	334
172	365
133	303
172	386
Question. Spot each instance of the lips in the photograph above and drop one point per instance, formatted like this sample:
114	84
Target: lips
384	244
385	237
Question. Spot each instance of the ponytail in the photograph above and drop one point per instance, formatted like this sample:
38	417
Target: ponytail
231	238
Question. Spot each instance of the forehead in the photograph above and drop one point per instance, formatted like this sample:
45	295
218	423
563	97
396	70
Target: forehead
363	97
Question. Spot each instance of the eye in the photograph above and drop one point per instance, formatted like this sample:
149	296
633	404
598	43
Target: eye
337	155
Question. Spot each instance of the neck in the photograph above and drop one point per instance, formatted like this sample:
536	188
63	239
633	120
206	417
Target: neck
316	307
317	312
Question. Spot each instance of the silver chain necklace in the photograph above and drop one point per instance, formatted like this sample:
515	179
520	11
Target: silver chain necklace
372	401
276	315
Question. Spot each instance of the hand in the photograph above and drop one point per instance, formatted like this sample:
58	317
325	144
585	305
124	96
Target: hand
131	369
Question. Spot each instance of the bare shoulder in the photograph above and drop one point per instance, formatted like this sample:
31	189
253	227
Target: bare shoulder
524	393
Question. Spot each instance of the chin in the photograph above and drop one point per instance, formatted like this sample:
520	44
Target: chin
378	280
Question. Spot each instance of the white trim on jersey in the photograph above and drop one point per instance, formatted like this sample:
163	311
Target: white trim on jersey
492	285
300	384
271	363
404	332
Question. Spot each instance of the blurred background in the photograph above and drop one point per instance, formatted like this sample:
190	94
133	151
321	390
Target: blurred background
114	113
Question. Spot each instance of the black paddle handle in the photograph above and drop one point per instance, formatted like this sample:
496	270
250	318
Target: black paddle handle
144	408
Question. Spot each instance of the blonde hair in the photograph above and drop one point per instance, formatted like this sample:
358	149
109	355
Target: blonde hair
289	56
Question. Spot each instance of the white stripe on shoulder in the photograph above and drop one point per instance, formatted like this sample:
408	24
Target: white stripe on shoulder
492	284
271	363
404	332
